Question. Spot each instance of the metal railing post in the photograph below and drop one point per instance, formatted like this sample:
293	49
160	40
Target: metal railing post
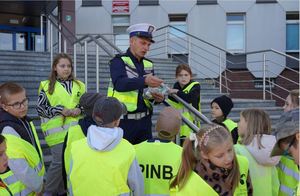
85	66
51	43
220	71
264	76
65	46
167	36
59	38
42	32
74	60
190	49
97	68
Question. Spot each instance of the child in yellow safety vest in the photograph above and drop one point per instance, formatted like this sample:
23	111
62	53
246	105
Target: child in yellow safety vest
288	171
23	146
210	166
256	144
220	108
5	171
188	90
58	107
288	138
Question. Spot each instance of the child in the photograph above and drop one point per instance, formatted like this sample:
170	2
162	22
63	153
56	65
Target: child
254	129
161	153
220	108
189	91
5	172
104	163
292	100
288	171
210	167
23	146
58	109
287	137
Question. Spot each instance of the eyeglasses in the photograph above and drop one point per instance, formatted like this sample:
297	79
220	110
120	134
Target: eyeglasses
18	105
286	151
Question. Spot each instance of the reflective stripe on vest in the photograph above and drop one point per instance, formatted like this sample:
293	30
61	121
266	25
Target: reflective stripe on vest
230	125
55	128
288	174
130	98
158	170
185	130
114	166
264	178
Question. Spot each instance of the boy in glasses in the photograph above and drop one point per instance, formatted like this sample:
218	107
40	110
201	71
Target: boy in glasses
23	146
287	136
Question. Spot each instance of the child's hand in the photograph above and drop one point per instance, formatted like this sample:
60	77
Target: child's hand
66	112
158	97
75	112
172	91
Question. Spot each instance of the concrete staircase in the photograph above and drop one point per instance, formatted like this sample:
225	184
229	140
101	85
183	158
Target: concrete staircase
29	68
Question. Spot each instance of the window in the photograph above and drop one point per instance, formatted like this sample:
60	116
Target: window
148	2
235	41
207	2
91	3
292	32
121	37
178	39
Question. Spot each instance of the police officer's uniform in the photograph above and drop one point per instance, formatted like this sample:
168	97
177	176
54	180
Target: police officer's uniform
137	123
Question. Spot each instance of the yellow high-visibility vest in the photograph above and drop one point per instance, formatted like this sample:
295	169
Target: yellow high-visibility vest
185	130
55	129
17	148
130	98
104	172
158	170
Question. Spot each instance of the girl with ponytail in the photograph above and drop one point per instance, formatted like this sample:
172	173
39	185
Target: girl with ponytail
210	166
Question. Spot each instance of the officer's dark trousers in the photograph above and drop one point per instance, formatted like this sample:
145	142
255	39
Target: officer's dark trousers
137	131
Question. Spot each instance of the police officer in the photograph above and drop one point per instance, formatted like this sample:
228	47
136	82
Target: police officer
131	73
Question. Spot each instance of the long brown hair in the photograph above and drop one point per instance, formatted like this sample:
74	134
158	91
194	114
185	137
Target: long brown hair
53	75
258	123
216	135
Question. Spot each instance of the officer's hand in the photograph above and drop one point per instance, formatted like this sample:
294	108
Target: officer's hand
75	112
153	81
158	97
66	112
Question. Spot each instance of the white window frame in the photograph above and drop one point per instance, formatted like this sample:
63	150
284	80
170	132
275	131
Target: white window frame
292	22
120	24
244	29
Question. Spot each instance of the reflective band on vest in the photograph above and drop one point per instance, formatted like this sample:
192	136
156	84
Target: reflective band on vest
55	128
114	166
230	125
264	178
130	98
288	174
158	170
185	130
15	186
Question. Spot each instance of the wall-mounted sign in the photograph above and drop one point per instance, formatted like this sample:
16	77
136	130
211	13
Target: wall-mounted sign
120	6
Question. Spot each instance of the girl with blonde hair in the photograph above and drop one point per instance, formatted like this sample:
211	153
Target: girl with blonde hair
256	144
210	166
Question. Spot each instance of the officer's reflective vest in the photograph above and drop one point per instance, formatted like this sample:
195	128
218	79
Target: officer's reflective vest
264	178
17	148
185	130
288	174
55	129
74	133
195	185
130	98
113	166
159	169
